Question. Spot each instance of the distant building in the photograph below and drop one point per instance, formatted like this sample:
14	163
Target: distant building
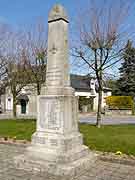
85	87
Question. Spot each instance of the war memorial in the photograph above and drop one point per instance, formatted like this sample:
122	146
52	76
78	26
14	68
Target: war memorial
57	146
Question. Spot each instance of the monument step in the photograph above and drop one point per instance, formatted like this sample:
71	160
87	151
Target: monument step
71	169
42	153
58	142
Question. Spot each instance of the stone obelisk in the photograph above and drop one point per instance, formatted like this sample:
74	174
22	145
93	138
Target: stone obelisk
57	146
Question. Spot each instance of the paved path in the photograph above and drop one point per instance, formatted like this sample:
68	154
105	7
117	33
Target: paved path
91	119
98	171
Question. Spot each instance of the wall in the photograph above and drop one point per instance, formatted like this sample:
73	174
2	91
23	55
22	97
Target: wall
32	105
104	95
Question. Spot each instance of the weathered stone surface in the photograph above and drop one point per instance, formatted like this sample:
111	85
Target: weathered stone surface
72	169
98	170
58	51
58	12
57	113
57	146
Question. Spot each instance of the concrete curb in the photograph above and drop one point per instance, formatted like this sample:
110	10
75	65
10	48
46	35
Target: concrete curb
15	143
120	160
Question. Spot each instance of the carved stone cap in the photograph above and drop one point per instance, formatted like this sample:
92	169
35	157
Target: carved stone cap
58	13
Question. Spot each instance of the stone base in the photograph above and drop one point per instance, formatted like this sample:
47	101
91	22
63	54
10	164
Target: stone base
57	146
72	169
67	157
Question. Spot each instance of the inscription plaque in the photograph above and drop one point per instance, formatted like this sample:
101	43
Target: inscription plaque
52	116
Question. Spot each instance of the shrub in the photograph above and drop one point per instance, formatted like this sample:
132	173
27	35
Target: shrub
119	102
84	101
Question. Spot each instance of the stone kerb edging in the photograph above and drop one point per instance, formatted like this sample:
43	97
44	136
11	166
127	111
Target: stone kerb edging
14	142
121	159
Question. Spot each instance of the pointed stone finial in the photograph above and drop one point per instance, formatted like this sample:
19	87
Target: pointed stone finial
58	13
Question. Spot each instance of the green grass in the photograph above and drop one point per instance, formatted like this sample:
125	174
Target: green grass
107	138
110	138
21	129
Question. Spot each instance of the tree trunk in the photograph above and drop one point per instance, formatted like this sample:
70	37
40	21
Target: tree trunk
14	106
38	88
99	111
100	88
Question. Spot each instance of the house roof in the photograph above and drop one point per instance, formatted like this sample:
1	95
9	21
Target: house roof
82	83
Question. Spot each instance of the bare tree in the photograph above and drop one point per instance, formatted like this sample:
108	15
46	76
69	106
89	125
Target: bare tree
17	80
17	75
37	54
25	57
4	35
100	46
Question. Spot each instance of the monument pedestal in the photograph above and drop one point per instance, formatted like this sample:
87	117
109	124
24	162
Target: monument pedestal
57	146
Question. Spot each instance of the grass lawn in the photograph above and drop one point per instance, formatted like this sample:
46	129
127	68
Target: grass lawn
107	138
21	129
110	138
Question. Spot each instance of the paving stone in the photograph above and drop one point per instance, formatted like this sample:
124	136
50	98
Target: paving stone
99	170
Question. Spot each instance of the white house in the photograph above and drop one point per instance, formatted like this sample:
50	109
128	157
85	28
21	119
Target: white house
85	86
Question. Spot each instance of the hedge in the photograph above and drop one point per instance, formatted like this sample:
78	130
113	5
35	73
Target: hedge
119	102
